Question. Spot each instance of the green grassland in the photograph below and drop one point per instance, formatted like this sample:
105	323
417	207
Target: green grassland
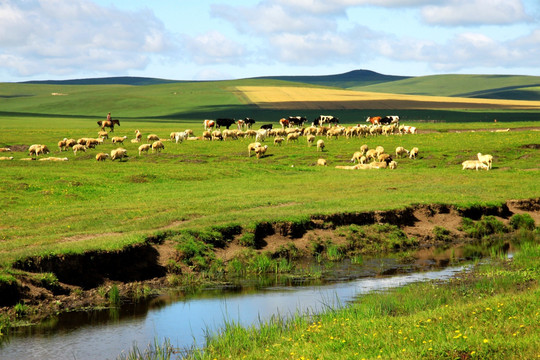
80	204
486	86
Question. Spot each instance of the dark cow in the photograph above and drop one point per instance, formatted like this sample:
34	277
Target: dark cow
267	126
297	120
224	122
249	122
325	119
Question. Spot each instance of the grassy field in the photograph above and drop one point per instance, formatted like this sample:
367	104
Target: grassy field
80	204
51	207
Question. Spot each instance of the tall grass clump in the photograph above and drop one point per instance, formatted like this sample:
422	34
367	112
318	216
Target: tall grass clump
373	239
487	225
114	295
522	221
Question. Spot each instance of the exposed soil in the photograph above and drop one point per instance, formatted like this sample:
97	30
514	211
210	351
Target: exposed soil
85	278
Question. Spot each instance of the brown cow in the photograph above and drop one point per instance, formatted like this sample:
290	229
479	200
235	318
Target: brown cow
374	120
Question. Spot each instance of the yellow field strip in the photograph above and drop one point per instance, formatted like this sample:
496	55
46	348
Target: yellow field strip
278	97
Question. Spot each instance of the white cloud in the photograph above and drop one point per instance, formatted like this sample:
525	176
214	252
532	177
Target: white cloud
60	37
268	18
475	12
213	48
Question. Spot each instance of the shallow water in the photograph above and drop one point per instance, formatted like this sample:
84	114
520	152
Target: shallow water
185	321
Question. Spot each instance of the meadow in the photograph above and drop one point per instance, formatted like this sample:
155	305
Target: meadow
71	207
74	206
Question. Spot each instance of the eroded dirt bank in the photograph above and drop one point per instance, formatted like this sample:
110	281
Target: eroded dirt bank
82	280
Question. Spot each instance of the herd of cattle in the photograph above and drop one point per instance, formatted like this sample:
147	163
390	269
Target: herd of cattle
290	130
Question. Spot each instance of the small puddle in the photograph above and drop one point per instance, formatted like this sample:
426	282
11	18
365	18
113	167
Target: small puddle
185	319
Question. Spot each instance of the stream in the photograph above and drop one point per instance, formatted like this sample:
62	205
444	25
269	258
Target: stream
185	320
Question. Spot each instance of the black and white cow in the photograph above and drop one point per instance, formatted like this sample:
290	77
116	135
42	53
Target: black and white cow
296	120
325	119
267	126
249	122
225	122
389	119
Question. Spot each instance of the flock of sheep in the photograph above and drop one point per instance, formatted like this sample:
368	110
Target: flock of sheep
364	159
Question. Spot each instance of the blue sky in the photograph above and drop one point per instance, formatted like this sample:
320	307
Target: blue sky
224	39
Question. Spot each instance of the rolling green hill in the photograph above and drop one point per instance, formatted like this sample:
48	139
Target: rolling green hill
511	87
346	80
140	99
118	80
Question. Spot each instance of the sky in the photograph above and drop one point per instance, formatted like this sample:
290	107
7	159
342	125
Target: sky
225	39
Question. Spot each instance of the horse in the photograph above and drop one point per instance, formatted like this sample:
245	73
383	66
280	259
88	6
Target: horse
108	123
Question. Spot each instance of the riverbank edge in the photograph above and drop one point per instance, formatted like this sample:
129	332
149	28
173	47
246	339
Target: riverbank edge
49	285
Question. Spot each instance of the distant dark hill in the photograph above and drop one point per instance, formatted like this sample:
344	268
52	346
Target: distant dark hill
119	80
346	80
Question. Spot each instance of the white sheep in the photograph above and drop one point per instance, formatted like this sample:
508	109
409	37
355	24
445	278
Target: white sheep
216	135
101	156
379	150
293	136
321	162
364	148
103	134
278	140
261	135
207	135
38	149
371	154
180	136
378	165
92	143
119	154
252	147
310	139
260	151
413	153
53	158
392	165
5	149
158	146
400	150
485	159
144	148
473	165
320	145
356	157
78	147
152	137
118	139
6	158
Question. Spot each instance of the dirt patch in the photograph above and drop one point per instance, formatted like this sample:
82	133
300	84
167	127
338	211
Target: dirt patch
19	148
530	146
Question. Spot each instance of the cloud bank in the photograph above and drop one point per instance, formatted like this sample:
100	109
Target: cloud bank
64	37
